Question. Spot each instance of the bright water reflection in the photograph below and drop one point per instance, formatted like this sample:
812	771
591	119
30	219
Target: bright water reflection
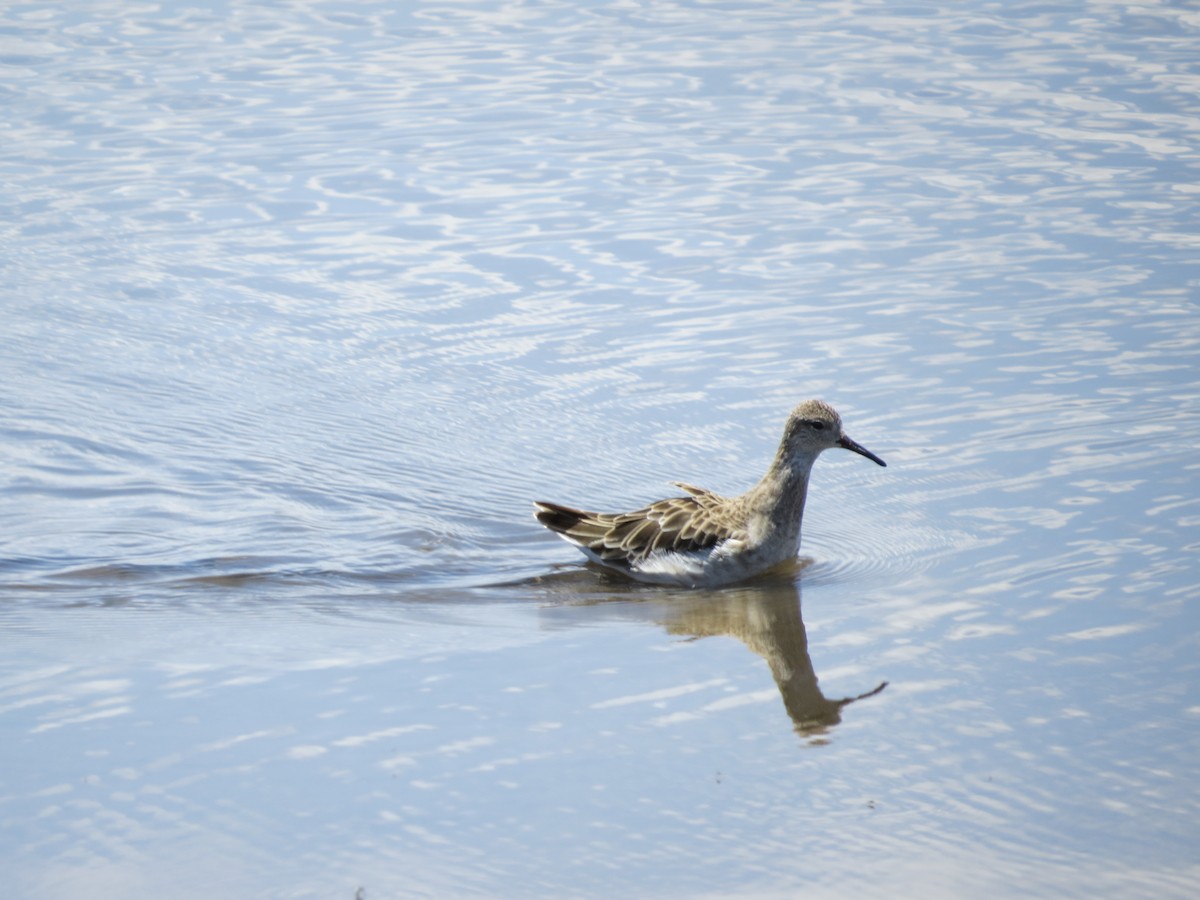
304	302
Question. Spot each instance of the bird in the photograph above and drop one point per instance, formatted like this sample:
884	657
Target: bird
704	539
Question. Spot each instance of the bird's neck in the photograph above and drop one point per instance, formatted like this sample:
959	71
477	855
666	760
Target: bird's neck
781	493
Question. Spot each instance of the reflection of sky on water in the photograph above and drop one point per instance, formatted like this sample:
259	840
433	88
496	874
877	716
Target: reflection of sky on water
349	753
303	303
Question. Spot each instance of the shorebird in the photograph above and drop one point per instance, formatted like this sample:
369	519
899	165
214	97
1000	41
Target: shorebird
705	539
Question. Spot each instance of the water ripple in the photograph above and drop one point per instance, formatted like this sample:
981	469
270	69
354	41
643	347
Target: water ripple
304	302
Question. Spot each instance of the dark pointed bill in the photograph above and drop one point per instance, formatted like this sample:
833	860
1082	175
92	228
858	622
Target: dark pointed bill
860	449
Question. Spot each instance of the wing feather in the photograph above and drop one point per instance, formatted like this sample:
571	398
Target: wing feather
703	495
679	524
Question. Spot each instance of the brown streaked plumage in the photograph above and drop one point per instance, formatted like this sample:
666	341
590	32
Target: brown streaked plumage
705	539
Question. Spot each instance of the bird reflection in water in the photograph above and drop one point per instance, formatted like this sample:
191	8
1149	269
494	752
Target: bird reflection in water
765	616
767	619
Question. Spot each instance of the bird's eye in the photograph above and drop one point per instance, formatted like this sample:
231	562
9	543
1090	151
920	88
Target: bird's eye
815	425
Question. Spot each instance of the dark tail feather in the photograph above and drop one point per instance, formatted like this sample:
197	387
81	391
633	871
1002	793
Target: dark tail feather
558	518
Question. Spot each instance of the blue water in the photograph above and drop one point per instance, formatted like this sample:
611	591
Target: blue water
303	304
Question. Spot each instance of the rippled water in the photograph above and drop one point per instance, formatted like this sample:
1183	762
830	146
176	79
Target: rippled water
304	302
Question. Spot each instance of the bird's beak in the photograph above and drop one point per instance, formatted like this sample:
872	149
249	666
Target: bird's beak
859	449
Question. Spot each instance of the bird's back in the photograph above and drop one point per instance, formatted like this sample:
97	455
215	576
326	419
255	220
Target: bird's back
677	525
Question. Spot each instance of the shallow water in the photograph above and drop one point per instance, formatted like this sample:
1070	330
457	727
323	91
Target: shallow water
304	303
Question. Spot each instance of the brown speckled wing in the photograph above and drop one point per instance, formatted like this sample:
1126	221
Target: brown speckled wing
681	524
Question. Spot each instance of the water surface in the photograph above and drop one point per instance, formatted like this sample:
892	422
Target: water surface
304	303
